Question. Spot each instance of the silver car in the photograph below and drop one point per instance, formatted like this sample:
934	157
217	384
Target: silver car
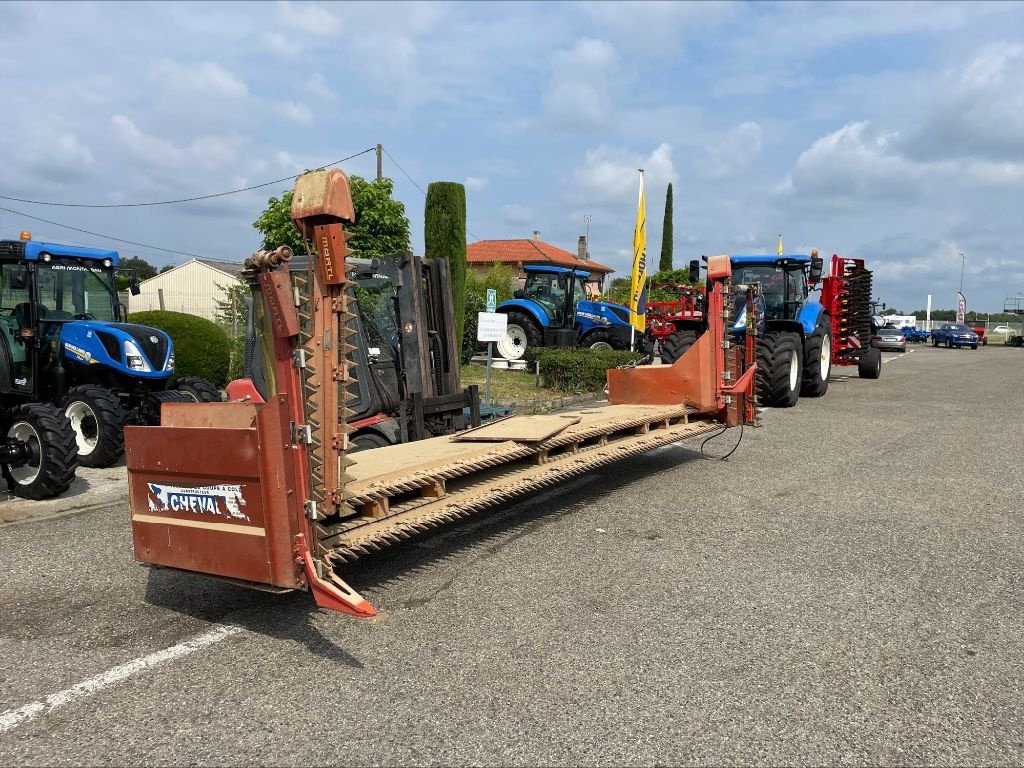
889	338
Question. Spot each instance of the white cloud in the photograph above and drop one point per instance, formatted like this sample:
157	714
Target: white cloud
577	95
608	175
281	44
207	152
476	182
296	113
51	153
977	111
735	151
515	215
317	86
203	81
852	163
657	28
308	18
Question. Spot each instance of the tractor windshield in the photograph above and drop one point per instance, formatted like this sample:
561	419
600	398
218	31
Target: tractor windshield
783	289
69	290
375	298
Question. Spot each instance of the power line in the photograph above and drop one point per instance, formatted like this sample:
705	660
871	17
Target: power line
97	234
410	178
184	199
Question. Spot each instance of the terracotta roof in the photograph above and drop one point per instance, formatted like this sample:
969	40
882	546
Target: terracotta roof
528	251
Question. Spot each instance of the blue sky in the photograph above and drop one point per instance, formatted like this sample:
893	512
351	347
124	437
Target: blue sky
894	132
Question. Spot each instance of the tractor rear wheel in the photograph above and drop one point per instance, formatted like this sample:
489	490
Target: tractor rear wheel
200	390
870	364
50	468
779	369
603	340
817	359
676	344
521	333
98	420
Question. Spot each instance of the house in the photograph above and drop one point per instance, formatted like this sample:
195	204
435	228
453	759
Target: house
194	288
483	254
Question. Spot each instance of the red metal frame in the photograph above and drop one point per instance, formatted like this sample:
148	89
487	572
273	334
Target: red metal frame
662	316
705	377
832	288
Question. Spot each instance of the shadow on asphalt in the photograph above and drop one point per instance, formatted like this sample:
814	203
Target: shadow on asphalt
291	616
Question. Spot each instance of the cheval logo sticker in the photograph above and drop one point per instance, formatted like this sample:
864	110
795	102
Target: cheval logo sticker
217	500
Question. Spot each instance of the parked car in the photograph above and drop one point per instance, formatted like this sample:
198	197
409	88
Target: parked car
1003	329
955	335
889	338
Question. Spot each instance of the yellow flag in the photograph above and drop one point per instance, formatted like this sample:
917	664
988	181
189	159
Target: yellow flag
780	245
638	286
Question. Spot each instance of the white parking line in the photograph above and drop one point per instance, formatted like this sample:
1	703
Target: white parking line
12	718
897	357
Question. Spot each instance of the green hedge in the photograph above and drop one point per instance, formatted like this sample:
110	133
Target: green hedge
201	347
577	370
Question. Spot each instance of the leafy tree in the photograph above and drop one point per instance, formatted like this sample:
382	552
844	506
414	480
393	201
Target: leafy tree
167	268
143	269
666	234
232	313
444	237
381	227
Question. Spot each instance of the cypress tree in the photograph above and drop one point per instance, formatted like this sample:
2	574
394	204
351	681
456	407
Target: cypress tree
665	265
444	237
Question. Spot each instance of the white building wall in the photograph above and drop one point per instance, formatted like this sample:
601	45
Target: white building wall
193	288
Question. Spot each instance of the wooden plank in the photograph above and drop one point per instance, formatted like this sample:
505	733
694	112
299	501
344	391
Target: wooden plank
524	429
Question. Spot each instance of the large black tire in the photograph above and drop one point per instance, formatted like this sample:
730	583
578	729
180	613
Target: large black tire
201	390
817	359
515	343
779	369
603	340
676	344
53	452
98	420
870	364
368	441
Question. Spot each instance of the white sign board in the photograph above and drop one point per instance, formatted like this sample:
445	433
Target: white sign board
492	299
491	326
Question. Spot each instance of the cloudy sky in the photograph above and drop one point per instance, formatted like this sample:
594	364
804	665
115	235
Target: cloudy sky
893	132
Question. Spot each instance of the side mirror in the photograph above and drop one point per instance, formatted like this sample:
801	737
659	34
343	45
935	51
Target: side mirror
133	285
817	267
694	271
19	278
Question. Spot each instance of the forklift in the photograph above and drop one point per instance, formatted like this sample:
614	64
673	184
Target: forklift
405	382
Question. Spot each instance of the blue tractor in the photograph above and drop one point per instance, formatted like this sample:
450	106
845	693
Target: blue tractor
794	350
65	341
552	310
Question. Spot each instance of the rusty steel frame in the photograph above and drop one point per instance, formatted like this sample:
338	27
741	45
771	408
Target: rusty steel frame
265	493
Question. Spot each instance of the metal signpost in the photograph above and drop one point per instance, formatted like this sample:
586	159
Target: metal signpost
491	327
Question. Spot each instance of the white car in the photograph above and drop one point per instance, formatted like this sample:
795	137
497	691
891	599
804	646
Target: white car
1003	329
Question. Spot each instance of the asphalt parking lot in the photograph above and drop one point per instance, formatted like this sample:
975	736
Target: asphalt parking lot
845	589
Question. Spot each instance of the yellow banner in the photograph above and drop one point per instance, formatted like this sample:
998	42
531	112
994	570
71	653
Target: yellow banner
638	286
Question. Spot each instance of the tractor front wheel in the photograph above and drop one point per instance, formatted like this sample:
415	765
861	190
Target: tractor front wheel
676	344
521	333
603	340
200	390
98	419
817	359
46	434
779	369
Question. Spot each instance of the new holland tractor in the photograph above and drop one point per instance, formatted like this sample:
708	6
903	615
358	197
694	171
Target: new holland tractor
552	310
65	341
794	346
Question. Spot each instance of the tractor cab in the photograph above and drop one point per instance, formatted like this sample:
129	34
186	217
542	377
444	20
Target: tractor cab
557	290
784	281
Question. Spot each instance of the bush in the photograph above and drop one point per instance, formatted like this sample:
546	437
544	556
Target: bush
201	348
577	370
475	303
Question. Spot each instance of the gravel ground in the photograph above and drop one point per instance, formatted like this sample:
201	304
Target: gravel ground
846	589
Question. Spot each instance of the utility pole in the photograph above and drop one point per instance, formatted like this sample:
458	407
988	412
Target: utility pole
380	161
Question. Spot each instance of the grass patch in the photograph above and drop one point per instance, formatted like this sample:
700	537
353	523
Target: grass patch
508	385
